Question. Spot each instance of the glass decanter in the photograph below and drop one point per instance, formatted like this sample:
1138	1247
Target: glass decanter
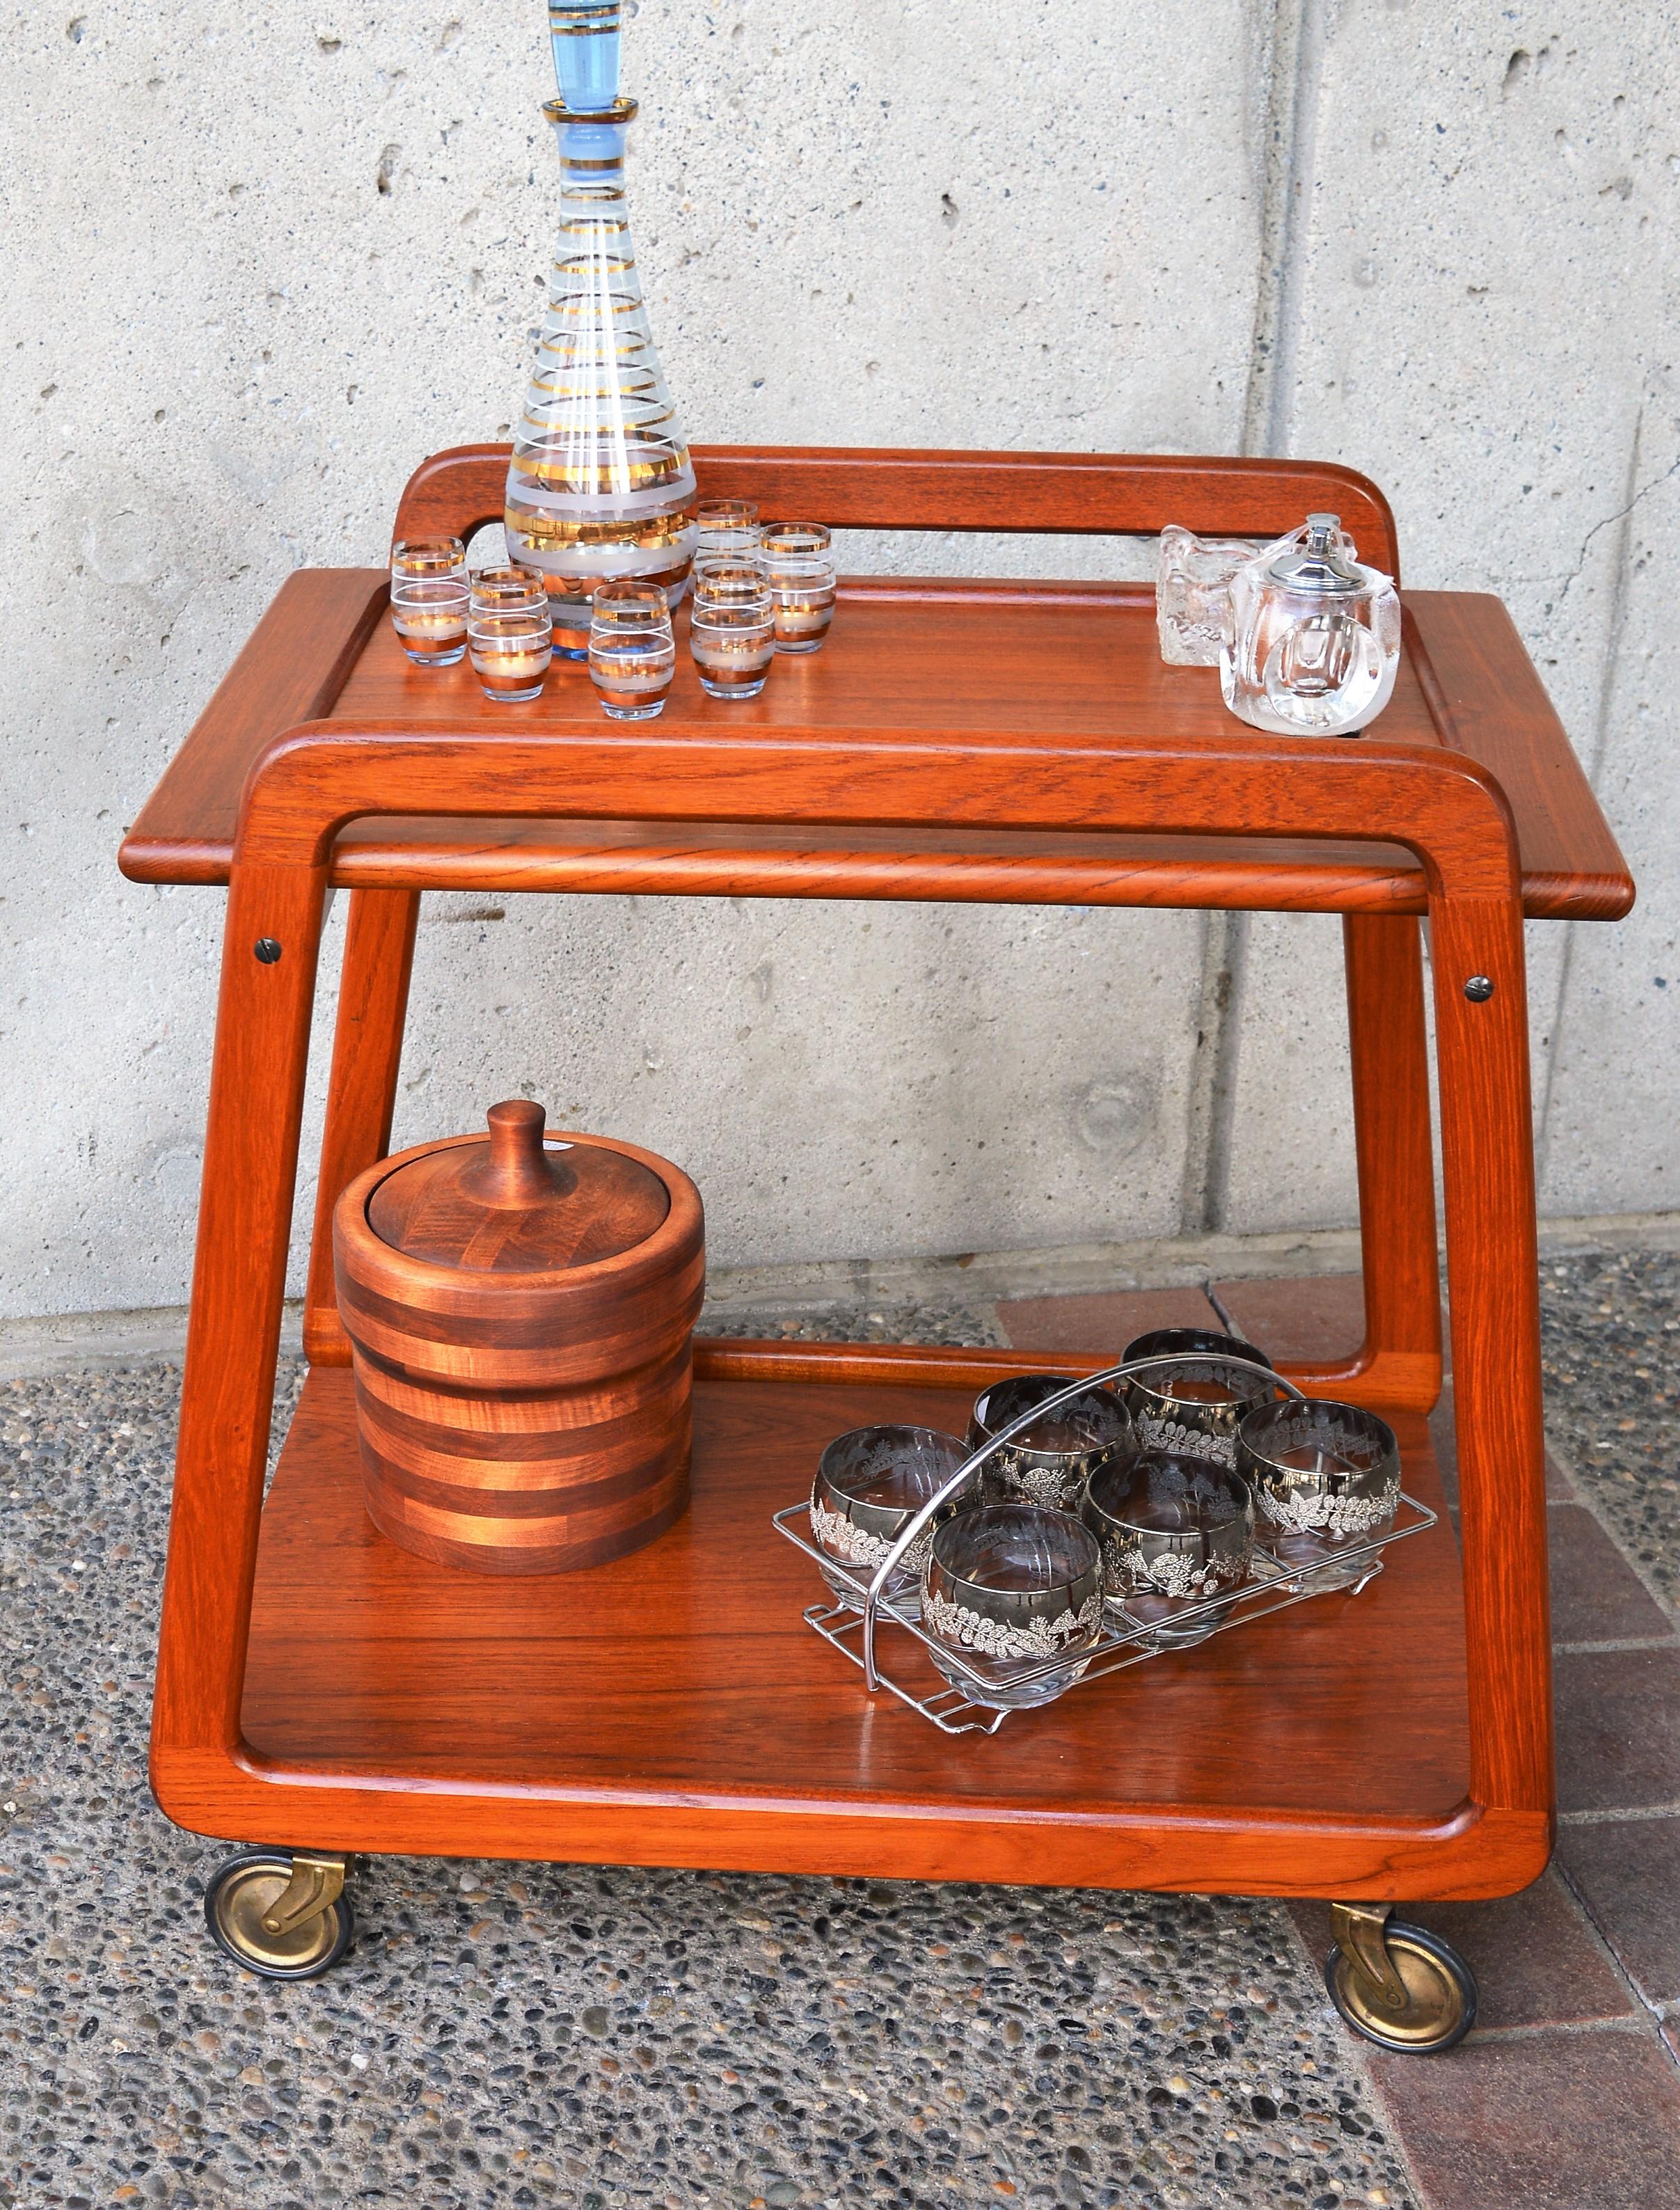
1313	647
601	484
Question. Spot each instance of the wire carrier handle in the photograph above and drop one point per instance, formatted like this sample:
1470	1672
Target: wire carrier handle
919	1519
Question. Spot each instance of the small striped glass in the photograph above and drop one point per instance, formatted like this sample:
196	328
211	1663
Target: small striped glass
632	650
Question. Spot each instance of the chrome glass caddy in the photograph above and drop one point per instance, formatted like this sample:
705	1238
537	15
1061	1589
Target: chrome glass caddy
852	1627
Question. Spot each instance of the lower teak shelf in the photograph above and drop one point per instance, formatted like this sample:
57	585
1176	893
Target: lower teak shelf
673	1708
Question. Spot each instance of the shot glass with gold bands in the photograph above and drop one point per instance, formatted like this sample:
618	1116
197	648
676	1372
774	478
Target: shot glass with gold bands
731	628
726	526
511	648
632	649
428	560
507	590
798	557
429	614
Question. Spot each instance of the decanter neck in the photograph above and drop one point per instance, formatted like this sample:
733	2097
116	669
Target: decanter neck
591	146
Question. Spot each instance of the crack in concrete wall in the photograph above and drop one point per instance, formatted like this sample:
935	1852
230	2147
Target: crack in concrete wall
1292	42
1623	513
1299	31
1622	518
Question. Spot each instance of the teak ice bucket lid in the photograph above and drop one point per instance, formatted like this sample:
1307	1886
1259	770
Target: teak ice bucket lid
514	1204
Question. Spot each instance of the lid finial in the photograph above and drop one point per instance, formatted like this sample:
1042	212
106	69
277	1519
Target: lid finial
517	1172
1319	562
518	1203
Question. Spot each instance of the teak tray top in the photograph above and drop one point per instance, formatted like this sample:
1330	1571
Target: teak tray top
917	657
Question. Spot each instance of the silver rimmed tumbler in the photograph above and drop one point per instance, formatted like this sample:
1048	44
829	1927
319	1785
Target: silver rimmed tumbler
1198	1387
1175	1530
868	1484
1325	1477
1049	1462
1009	1590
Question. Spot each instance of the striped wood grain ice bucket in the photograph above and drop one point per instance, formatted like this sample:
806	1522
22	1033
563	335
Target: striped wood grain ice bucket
520	1310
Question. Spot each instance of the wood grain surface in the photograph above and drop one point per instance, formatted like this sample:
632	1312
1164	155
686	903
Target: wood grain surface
290	669
637	1712
515	1203
1077	494
522	1368
1094	649
716	1682
1225	781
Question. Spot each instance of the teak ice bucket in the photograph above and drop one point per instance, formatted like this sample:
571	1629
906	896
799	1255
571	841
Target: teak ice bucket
521	1310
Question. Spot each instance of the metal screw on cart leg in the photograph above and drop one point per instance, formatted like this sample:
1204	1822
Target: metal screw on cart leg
281	1913
1478	989
1399	1986
267	950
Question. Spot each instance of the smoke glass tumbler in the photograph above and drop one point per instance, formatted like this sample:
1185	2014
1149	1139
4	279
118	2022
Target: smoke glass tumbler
1010	1590
1325	1477
1049	1462
1175	1531
1194	1391
868	1484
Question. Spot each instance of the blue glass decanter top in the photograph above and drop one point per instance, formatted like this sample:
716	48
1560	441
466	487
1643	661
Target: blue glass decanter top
585	35
601	484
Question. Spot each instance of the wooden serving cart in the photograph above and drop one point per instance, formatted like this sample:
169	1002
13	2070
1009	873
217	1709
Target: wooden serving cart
1009	742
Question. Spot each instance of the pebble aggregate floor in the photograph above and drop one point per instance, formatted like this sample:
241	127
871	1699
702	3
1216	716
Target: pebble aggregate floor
526	2035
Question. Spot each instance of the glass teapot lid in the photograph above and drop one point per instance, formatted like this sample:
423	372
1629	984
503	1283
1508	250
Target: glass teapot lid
1325	566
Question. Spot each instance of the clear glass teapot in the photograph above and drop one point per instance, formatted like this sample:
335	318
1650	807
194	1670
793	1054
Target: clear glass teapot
1313	646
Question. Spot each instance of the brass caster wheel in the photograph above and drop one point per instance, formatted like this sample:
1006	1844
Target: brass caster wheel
1399	1986
281	1914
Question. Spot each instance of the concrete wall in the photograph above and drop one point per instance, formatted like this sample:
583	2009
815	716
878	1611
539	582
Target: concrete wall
261	259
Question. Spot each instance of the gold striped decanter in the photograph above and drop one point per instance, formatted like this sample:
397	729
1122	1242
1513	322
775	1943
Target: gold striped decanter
601	485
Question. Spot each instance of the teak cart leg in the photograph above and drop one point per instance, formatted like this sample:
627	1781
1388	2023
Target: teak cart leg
270	951
1481	1025
1400	1360
1396	1983
362	1088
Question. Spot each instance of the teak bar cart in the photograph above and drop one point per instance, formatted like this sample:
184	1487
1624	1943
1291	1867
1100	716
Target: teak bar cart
986	741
